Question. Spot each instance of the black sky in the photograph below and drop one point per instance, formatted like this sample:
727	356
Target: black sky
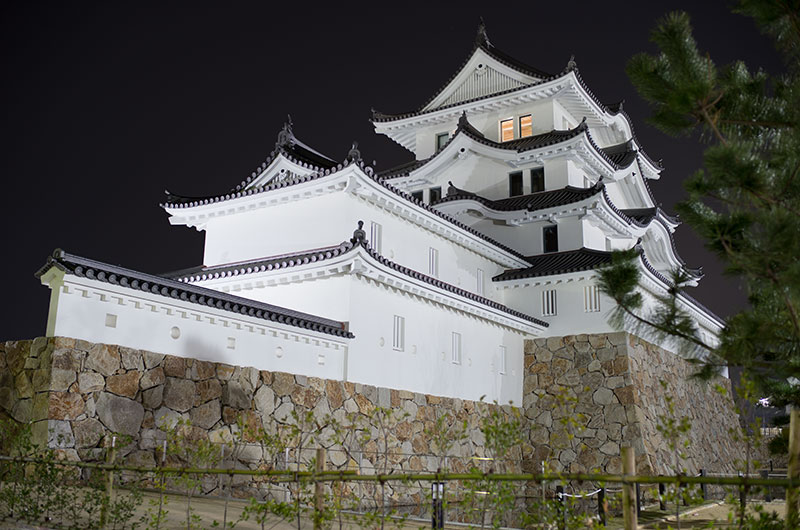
106	105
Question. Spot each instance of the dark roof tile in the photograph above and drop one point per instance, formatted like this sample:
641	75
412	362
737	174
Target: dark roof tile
558	263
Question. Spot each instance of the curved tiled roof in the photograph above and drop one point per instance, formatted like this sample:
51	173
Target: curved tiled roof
115	275
623	155
558	263
530	202
317	255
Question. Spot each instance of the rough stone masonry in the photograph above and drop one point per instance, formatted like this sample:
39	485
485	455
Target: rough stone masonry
584	397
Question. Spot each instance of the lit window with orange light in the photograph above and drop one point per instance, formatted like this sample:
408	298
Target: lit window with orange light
525	126
506	130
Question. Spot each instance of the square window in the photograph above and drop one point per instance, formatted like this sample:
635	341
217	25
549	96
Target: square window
111	320
537	179
525	126
399	333
375	236
433	262
515	184
507	130
550	238
441	140
434	194
549	303
455	352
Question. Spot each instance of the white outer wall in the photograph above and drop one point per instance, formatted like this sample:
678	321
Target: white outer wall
83	306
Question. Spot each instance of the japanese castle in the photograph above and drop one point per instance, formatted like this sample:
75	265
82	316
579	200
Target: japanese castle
427	277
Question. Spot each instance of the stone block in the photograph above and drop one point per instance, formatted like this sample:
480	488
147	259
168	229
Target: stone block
627	395
23	386
235	396
152	378
152	398
7	398
221	435
102	358
60	434
178	393
90	382
87	432
131	359
151	360
126	384
283	384
206	415
174	366
224	371
207	390
264	400
65	405
203	370
335	394
120	414
603	396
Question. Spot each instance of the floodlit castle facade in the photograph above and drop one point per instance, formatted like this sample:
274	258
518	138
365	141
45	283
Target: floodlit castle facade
426	278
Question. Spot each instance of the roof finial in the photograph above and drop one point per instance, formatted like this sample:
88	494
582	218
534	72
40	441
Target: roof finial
571	64
354	153
462	120
482	39
359	236
286	136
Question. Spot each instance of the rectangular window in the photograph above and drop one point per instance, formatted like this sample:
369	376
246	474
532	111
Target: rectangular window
480	282
550	238
515	184
549	303
433	262
537	179
434	194
399	333
503	360
507	130
417	195
455	352
375	236
591	299
525	126
441	140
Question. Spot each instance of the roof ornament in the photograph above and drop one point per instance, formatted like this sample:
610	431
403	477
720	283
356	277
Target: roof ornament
354	153
451	190
482	38
462	120
359	236
571	64
286	136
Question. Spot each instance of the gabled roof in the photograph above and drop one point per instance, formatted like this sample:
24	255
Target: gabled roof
558	263
483	44
313	256
530	202
158	285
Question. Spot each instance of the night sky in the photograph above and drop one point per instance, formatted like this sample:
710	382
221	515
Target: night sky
105	106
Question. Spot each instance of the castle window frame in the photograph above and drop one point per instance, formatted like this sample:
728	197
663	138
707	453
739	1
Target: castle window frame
433	262
441	140
525	126
455	348
375	236
549	303
507	130
591	299
537	179
550	238
399	333
434	194
503	360
480	282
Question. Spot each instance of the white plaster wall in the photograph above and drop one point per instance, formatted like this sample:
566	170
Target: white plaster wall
593	237
425	363
146	321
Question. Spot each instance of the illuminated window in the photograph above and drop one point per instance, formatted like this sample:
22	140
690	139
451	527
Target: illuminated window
515	184
441	140
525	126
506	130
537	179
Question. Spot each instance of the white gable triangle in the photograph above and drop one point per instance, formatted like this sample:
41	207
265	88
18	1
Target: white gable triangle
481	76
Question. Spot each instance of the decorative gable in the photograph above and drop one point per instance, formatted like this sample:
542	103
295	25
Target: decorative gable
483	81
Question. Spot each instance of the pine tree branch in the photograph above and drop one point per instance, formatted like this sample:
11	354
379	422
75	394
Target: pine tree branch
786	300
758	123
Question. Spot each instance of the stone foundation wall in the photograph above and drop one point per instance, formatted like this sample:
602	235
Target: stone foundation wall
584	397
613	383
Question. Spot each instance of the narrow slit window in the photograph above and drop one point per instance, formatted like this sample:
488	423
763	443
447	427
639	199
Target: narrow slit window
375	233
506	130
550	238
399	333
455	352
503	360
537	179
515	184
479	287
441	140
435	194
525	126
591	299
549	308
433	262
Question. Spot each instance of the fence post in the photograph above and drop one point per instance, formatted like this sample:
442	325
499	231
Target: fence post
319	491
794	466
768	491
110	455
601	506
562	508
437	511
628	493
703	486
662	490
638	501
